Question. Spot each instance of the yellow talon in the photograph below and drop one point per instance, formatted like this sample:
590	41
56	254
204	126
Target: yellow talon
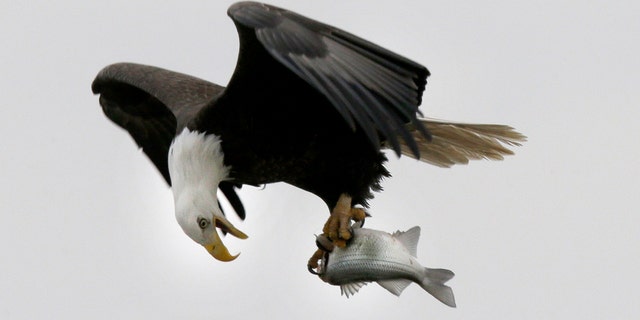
338	226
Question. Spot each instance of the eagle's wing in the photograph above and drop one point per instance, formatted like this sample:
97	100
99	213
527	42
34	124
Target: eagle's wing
152	104
372	88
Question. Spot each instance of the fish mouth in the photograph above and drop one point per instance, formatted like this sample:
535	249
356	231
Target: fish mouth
214	244
325	245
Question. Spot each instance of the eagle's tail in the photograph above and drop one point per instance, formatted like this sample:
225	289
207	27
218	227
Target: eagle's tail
457	143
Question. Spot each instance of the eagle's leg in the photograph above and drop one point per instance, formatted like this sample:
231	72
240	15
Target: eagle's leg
338	226
337	230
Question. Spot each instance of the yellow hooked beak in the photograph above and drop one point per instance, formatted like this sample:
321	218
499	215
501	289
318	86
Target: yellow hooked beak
214	244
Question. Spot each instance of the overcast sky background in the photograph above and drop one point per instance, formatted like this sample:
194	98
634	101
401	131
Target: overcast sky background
87	227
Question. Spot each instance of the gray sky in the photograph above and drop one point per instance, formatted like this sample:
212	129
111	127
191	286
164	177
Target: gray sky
87	227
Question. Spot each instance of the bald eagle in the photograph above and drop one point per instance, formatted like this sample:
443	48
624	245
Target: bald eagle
308	104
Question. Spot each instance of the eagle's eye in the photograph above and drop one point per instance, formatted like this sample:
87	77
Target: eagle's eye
203	223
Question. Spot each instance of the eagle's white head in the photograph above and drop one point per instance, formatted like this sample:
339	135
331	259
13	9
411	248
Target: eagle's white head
196	167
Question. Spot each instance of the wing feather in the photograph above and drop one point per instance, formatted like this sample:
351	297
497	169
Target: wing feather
152	104
372	88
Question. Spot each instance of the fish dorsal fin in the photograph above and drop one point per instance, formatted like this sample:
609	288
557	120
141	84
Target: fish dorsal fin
350	289
409	239
395	286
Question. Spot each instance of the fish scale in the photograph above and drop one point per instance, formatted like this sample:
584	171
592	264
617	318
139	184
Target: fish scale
388	259
363	269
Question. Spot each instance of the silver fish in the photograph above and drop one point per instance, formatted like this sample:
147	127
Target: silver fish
388	259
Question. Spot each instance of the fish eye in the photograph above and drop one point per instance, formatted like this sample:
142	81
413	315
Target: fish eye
203	223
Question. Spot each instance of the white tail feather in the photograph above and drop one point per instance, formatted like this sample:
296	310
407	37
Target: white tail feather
457	143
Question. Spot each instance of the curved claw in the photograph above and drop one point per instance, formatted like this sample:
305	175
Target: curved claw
313	262
312	271
360	223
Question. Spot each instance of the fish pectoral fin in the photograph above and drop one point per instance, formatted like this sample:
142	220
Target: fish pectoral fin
350	289
395	286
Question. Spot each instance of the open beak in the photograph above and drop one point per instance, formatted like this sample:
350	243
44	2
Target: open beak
214	244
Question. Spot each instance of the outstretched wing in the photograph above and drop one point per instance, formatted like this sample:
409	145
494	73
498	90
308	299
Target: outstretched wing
373	89
152	104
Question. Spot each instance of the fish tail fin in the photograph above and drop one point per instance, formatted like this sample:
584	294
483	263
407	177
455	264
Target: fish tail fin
434	283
